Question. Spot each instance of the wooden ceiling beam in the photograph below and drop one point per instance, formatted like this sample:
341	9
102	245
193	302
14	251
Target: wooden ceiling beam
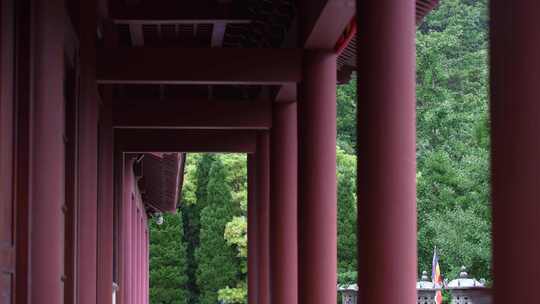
321	25
192	114
177	12
324	21
199	66
183	21
167	140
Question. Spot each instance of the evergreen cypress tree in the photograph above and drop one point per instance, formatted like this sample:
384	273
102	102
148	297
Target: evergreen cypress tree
217	263
167	261
191	214
346	165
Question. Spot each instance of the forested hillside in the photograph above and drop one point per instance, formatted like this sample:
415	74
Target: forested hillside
453	138
199	255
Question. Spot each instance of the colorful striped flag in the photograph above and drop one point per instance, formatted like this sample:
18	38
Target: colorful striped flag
436	276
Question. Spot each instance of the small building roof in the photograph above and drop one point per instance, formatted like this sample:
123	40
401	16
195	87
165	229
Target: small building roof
464	281
161	180
351	287
425	283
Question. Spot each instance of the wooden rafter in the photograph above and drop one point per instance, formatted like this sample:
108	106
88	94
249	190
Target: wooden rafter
218	33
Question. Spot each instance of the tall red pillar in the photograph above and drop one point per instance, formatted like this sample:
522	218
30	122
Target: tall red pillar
147	264
515	149
252	230
87	157
105	207
127	234
140	256
47	154
137	251
386	151
132	270
317	179
283	206
263	217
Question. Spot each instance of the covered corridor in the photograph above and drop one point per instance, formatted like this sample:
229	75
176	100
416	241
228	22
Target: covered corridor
101	99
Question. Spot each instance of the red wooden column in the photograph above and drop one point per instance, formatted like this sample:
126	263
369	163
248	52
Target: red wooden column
252	230
263	217
106	204
142	257
133	261
136	270
386	151
317	179
139	239
87	157
515	156
47	156
127	234
119	194
283	207
147	264
105	207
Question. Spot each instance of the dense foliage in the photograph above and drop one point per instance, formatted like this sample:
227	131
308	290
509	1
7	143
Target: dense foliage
168	279
208	236
453	142
217	265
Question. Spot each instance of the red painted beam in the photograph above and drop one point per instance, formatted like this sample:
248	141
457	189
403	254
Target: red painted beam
324	21
192	114
287	93
321	26
177	12
199	66
182	21
162	140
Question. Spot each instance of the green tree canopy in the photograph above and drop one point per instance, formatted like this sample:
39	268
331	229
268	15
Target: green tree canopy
217	263
168	279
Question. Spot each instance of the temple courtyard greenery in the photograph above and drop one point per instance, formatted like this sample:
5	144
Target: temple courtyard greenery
199	255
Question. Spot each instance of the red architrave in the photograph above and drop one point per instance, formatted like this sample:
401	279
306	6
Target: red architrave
166	140
324	21
193	114
177	12
199	66
322	24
